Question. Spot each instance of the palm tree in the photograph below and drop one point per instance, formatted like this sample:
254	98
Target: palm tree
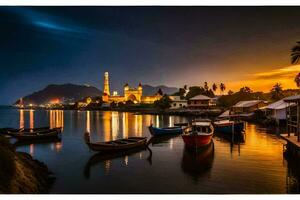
222	87
277	88
297	80
276	91
206	86
295	53
214	87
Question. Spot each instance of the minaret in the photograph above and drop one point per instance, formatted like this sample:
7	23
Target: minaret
106	84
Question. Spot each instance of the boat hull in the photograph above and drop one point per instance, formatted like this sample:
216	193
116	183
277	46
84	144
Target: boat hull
106	147
227	128
165	131
197	141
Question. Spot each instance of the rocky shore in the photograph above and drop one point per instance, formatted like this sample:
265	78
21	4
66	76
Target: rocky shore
20	173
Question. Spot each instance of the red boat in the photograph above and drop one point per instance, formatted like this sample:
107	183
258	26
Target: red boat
198	134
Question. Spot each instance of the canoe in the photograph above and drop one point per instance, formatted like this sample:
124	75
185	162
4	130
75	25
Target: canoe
225	126
10	131
36	135
115	145
199	134
165	131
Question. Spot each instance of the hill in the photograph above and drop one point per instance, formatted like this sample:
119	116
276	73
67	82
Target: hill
150	90
64	92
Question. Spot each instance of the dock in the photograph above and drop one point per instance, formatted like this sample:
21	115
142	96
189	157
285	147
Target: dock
293	139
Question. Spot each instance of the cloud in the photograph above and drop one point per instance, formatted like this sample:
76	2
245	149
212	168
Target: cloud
284	72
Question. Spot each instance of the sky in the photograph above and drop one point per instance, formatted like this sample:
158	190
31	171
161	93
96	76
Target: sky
173	46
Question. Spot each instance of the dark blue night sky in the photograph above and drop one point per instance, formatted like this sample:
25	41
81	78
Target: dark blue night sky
153	45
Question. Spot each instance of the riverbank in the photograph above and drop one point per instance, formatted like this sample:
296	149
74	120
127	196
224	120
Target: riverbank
20	173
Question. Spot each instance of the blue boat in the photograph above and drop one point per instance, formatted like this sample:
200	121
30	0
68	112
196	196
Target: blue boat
226	126
155	131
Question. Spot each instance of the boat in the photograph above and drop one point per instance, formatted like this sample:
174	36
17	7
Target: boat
10	131
198	134
116	145
228	126
36	135
155	131
181	124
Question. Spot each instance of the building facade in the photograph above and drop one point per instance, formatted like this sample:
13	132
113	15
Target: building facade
201	102
130	94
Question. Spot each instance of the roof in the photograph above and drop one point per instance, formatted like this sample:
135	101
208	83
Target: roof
292	98
200	97
243	104
201	123
281	104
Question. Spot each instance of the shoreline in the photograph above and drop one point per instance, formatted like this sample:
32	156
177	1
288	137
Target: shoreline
21	173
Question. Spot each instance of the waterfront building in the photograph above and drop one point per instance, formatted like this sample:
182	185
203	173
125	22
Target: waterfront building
247	107
201	102
177	102
277	110
129	94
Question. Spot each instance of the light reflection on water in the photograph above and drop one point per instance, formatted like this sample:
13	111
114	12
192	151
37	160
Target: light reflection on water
253	163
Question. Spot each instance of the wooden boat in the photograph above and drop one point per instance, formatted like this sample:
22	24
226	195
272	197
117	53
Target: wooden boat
10	131
198	134
181	124
36	135
155	131
115	145
228	126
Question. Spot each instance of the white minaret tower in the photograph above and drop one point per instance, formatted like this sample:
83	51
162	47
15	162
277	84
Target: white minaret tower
106	84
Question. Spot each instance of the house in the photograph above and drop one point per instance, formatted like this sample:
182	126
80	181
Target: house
177	102
277	110
247	106
200	102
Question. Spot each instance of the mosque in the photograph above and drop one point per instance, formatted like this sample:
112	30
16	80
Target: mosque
133	94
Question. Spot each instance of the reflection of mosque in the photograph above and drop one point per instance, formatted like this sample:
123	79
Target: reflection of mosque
56	119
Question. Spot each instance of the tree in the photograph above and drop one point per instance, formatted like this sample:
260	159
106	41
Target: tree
297	80
222	87
276	91
214	87
160	92
246	90
181	92
197	90
206	86
230	92
295	53
163	103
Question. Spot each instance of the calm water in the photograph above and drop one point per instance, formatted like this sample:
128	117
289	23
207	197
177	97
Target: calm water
253	164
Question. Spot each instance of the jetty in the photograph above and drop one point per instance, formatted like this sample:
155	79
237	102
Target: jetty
293	124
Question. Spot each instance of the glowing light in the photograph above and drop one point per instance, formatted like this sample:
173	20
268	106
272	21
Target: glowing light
54	101
31	119
115	93
21	119
115	124
88	122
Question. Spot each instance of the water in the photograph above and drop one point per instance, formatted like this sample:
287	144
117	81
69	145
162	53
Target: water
253	164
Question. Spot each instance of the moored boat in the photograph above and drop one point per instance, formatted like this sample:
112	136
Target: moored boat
198	134
228	126
36	135
155	131
115	145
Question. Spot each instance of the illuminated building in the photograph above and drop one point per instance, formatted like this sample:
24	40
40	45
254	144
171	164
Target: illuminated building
130	94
